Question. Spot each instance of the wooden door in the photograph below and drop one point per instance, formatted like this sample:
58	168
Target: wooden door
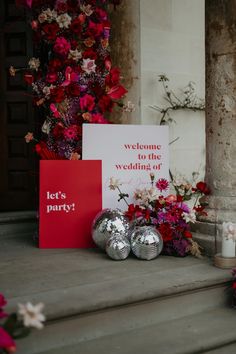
17	161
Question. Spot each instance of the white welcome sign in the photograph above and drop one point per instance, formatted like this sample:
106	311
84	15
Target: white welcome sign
129	153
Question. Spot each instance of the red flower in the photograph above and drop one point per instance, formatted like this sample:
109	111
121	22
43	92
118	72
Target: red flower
87	103
133	212
105	103
57	94
187	234
166	232
116	92
72	5
2	304
73	89
29	78
51	77
113	77
94	29
90	53
61	7
55	64
202	187
50	30
76	26
234	285
6	342
162	184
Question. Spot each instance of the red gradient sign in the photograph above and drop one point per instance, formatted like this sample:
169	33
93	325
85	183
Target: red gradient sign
70	197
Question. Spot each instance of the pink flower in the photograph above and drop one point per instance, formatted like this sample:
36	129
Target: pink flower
162	184
87	102
62	46
28	138
88	66
98	118
2	304
6	342
56	113
171	198
71	132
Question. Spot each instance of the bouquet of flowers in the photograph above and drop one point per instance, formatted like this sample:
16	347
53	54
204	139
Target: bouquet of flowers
72	77
18	325
171	215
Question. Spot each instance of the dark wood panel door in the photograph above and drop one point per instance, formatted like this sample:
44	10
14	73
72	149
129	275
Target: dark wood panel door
17	161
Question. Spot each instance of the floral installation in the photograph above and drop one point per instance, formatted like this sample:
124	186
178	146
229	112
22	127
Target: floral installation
171	215
18	325
72	78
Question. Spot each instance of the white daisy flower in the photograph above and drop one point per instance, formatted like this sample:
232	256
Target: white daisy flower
32	315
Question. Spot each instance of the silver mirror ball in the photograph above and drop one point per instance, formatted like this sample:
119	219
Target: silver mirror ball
108	223
118	247
146	242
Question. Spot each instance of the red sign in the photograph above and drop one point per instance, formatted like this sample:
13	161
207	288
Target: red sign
70	197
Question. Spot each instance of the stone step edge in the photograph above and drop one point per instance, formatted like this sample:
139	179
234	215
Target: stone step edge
17	217
61	313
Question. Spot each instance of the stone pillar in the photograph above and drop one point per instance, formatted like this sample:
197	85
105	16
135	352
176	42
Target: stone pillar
221	109
125	52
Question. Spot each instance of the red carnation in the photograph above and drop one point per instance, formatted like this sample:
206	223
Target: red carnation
58	131
76	26
57	94
50	30
94	29
87	103
202	187
105	103
73	89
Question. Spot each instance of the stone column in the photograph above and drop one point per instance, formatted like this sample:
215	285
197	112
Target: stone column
125	52
221	109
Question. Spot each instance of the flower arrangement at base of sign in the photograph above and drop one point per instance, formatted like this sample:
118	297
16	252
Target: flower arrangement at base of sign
18	325
170	215
72	77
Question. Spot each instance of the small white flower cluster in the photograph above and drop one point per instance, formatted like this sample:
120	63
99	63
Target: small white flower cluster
63	20
190	217
229	230
114	183
88	66
129	107
75	55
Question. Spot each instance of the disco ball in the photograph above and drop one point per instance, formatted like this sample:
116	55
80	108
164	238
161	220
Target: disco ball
107	223
146	242
118	247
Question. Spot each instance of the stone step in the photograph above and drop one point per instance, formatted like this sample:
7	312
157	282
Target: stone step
227	349
18	223
191	323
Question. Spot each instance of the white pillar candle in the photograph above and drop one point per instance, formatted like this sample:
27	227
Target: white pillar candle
228	247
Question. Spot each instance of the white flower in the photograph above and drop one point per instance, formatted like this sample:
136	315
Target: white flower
87	9
190	217
47	15
114	183
46	127
129	107
47	91
34	63
145	196
64	21
42	17
32	315
88	65
75	55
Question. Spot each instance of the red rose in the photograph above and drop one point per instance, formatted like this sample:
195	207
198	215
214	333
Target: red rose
57	94
54	65
76	26
61	7
90	53
50	30
73	89
202	187
51	77
187	234
105	103
94	29
58	131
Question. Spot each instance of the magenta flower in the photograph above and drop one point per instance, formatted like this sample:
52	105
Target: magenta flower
2	304
62	46
98	118
162	184
6	342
